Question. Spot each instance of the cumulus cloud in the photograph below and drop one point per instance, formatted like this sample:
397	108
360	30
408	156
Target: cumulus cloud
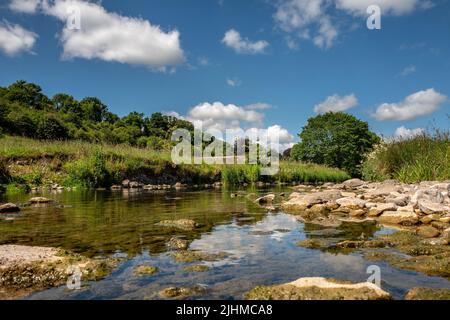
396	7
405	133
25	6
312	19
112	37
416	105
307	19
221	117
233	40
336	103
14	39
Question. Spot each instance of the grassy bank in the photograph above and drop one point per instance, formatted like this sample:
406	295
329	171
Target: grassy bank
425	157
27	163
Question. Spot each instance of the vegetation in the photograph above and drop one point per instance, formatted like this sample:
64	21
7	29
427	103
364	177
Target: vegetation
425	157
337	140
290	171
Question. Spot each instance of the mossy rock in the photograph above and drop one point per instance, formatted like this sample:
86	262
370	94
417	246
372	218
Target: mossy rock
318	289
428	294
193	256
182	292
196	268
145	270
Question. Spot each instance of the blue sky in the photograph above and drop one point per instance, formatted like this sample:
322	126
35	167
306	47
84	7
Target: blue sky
234	63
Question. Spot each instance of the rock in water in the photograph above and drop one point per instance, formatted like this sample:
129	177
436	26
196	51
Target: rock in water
404	218
39	200
318	289
9	207
184	224
268	199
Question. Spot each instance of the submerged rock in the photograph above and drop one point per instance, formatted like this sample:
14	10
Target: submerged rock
40	200
196	268
318	289
428	294
266	200
145	270
182	292
192	256
24	269
178	244
184	224
9	207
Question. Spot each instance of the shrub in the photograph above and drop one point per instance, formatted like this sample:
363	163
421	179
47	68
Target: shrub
91	172
51	128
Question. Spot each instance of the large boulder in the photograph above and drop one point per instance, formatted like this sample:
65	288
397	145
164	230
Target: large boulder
380	208
353	183
429	207
351	203
9	207
299	201
404	218
318	289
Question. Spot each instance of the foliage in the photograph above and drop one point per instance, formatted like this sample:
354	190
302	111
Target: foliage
425	157
337	140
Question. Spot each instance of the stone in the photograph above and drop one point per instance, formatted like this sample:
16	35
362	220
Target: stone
9	207
268	199
182	292
145	270
135	185
401	200
40	200
428	207
184	224
348	194
427	232
404	218
382	207
192	256
357	213
318	289
439	225
126	183
353	183
178	244
428	294
446	234
351	203
299	201
196	268
430	218
179	186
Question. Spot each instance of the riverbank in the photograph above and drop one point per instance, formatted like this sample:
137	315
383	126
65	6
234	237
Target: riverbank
28	164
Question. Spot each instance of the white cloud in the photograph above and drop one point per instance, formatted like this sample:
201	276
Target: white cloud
234	82
336	103
408	70
14	39
308	20
393	7
258	106
111	37
241	45
25	6
221	117
405	133
416	105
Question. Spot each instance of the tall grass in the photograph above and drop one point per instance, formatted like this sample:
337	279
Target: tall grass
425	157
289	172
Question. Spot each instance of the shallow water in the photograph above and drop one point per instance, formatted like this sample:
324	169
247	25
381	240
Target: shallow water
261	245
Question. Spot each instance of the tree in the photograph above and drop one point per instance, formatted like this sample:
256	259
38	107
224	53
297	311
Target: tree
50	128
335	139
27	94
93	109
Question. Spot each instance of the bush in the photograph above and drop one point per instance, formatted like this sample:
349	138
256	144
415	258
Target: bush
337	140
420	158
50	128
90	173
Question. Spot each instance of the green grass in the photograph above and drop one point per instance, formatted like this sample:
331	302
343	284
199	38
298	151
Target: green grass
289	171
29	163
425	157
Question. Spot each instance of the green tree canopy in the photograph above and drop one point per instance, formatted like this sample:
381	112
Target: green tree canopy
335	139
